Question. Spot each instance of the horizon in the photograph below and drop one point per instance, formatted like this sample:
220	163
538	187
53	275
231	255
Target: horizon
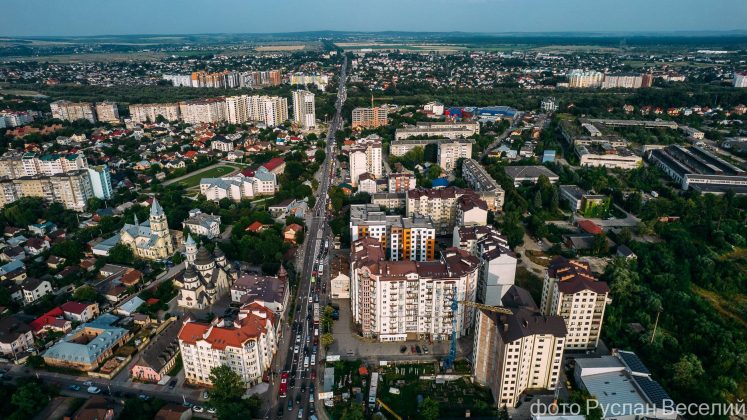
90	18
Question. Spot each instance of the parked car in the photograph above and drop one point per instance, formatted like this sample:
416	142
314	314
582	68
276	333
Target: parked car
74	387
211	410
87	383
198	409
205	395
93	390
172	384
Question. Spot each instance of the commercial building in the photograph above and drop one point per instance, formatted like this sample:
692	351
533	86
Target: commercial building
88	345
581	201
73	111
101	181
153	363
447	207
245	342
270	291
479	180
573	292
239	187
531	174
607	156
107	112
403	238
585	79
516	352
497	261
401	182
623	386
411	300
142	113
369	117
697	168
365	157
304	110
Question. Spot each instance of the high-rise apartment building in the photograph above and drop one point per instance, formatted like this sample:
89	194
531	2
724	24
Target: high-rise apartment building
369	117
237	109
447	207
200	111
573	292
246	343
585	79
480	180
73	111
740	79
516	352
16	165
271	110
101	181
403	238
365	157
304	111
71	189
401	182
449	152
410	300
149	112
107	112
622	81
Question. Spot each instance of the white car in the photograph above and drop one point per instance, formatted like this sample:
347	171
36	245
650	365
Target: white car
296	349
197	409
93	390
211	410
88	383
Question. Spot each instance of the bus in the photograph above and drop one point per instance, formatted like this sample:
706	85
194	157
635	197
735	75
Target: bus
372	390
283	384
316	314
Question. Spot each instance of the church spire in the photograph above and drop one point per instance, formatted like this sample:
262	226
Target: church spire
155	208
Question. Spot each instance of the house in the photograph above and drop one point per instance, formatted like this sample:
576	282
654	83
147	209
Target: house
624	252
128	308
276	165
589	227
51	321
172	411
36	246
41	229
289	207
80	312
131	277
159	357
13	253
116	293
54	262
34	289
15	336
95	408
290	232
256	227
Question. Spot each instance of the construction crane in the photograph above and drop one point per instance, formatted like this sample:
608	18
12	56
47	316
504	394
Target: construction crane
379	99
449	360
387	408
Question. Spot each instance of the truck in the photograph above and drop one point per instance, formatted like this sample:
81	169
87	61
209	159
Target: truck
316	314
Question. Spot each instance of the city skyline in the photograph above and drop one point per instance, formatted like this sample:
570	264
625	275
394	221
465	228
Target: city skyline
90	18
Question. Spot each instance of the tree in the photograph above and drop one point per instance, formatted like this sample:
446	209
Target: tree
227	384
537	200
327	339
121	254
353	412
429	409
94	203
687	370
86	294
29	398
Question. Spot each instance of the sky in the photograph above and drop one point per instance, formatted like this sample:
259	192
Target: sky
121	17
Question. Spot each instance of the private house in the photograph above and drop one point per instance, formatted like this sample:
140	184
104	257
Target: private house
159	357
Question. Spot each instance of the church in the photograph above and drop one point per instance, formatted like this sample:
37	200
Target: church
205	279
151	239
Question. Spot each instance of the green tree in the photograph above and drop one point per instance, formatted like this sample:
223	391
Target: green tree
537	200
687	370
29	398
121	254
327	339
429	409
86	294
353	412
227	384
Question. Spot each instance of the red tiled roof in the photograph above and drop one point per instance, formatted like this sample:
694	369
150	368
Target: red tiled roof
152	301
49	318
245	329
589	227
74	307
274	163
255	227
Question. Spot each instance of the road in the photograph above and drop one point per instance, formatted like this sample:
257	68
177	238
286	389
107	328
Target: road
502	136
300	342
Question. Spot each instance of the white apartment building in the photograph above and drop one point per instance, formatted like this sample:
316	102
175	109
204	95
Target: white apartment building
365	156
497	261
238	187
571	291
585	79
73	111
623	81
101	181
447	207
237	109
222	145
203	111
450	152
304	110
246	344
740	79
271	110
107	112
516	352
403	238
149	112
15	165
410	300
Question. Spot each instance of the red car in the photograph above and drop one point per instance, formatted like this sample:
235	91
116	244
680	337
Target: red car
313	374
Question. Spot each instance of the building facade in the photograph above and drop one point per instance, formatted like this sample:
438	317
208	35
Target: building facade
304	110
239	187
369	117
142	113
403	238
101	181
479	180
205	279
73	111
107	112
445	206
365	157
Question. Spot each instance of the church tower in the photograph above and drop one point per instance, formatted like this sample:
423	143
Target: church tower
159	226
191	250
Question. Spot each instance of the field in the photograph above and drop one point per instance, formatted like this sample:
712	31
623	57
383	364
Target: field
216	172
280	47
414	47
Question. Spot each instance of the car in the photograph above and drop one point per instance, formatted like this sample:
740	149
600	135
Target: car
144	397
303	387
417	349
93	390
412	349
74	387
197	409
280	411
311	410
300	413
87	383
290	404
403	349
311	397
298	339
425	349
298	398
296	349
211	410
313	376
205	395
172	384
311	299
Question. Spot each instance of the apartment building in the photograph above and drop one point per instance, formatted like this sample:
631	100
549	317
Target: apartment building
200	111
71	189
237	109
101	181
549	104
245	342
438	129
271	110
516	352
573	292
447	207
401	182
497	261
16	165
740	79
585	79
403	238
411	300
107	112
301	79
479	180
142	113
369	117
304	110
365	157
73	111
239	187
622	81
449	152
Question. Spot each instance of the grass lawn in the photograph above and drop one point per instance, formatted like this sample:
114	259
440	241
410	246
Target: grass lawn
217	172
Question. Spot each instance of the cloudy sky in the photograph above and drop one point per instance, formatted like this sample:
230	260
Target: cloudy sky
115	17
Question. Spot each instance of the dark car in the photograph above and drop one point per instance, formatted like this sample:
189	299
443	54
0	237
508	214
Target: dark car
417	349
403	349
172	384
290	405
280	411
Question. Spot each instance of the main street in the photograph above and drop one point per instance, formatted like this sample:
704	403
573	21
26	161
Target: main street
298	338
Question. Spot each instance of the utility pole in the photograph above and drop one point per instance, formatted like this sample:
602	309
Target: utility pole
656	324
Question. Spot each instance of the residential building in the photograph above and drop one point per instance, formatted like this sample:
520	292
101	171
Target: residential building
271	110
401	182
390	200
304	110
142	113
479	180
245	342
15	165
623	387
622	81
573	292
238	187
740	79
172	411
367	183
531	174
301	79
151	239
699	169
237	109
73	111
72	189
369	117
549	104
585	79
275	165
497	261
202	224
15	337
205	279
445	206
270	291
88	345
290	233
34	289
101	181
96	408
403	238
198	111
516	352
411	300
221	144
107	112
153	363
450	152
365	156
448	130
80	311
52	320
